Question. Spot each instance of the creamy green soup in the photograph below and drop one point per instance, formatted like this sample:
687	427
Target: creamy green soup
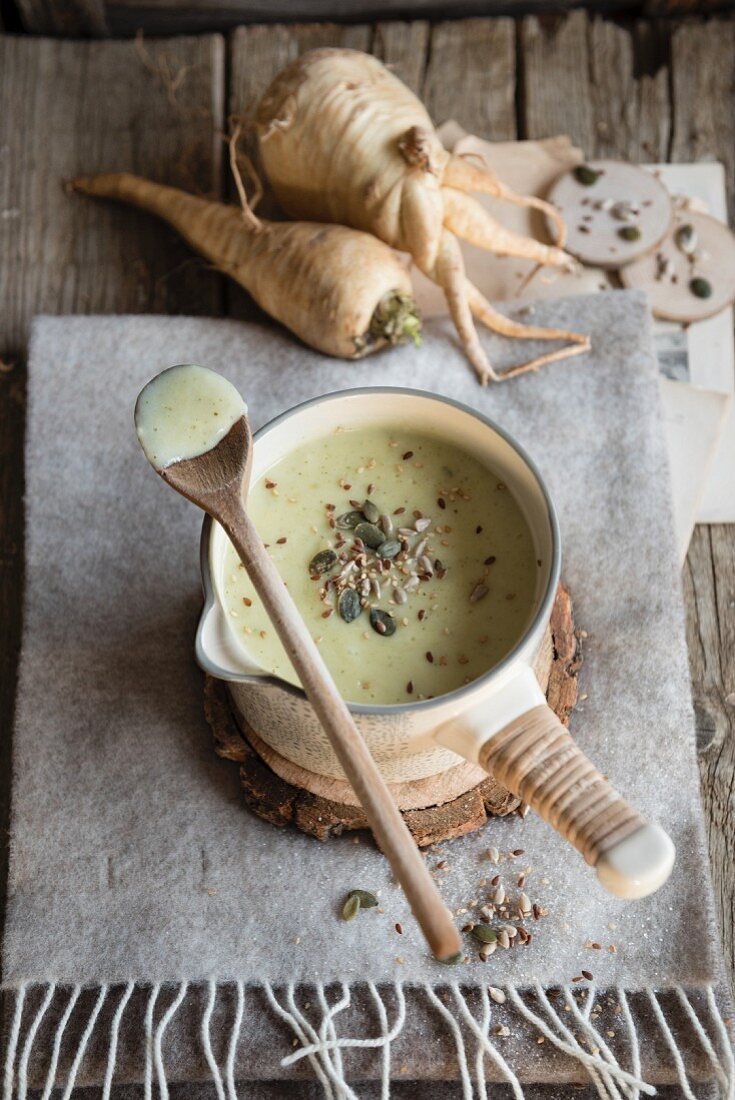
410	561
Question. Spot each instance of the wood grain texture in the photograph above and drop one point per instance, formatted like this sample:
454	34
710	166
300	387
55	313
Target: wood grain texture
608	106
87	106
631	115
555	89
95	107
709	593
703	85
403	47
470	76
176	17
703	128
72	18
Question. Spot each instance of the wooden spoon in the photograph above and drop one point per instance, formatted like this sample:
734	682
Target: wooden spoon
193	426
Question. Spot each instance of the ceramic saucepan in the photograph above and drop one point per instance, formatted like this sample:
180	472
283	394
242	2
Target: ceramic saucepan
501	720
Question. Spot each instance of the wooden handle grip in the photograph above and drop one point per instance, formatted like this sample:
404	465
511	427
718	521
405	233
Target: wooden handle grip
536	758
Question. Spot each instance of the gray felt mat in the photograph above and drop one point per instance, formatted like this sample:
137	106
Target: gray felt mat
133	859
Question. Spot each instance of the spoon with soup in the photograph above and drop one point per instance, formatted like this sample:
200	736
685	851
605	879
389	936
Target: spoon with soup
192	425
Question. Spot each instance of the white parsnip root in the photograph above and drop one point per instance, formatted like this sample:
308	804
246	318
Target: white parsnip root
343	140
343	292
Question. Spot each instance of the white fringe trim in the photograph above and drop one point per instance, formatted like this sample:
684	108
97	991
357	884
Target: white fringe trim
114	1036
573	1031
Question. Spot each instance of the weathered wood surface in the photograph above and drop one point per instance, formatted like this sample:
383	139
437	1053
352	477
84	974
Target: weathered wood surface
167	17
68	108
696	122
647	90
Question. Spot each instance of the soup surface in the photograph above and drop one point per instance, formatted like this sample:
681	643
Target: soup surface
410	561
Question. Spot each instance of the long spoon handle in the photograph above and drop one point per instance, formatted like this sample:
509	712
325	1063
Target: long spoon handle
368	784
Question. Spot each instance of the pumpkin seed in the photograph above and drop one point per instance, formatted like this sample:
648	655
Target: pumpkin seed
630	233
351	907
701	288
686	239
585	175
366	899
322	562
484	933
371	511
452	960
371	535
349	605
382	622
624	211
349	520
389	548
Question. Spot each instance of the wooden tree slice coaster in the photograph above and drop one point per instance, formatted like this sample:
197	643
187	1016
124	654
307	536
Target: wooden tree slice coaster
438	808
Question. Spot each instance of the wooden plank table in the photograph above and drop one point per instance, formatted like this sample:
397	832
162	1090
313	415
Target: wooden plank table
645	91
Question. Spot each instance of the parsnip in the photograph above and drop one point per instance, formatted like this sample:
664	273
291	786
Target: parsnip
342	292
343	140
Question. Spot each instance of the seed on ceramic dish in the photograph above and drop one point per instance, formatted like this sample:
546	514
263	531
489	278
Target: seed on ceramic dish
686	239
322	562
382	622
624	211
388	549
478	593
701	288
349	605
349	520
585	175
370	511
629	233
369	534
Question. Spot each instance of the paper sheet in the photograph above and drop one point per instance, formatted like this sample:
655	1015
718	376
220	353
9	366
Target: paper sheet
697	363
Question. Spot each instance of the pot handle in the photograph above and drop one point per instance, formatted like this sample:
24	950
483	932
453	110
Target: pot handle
534	756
